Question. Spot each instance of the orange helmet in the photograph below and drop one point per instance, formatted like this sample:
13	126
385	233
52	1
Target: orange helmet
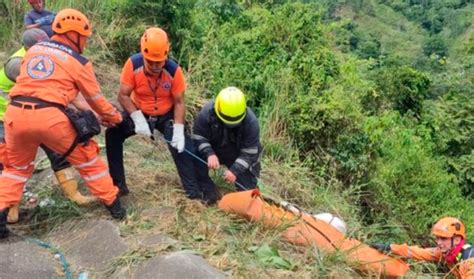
72	20
154	44
449	227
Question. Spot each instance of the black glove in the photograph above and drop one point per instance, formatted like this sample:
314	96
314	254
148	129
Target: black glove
382	247
3	224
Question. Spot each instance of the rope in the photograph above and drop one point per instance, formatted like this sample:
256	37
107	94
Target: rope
299	214
242	186
51	248
202	161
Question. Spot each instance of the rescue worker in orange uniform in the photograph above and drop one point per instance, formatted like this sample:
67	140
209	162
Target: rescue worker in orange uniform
152	94
51	75
62	168
451	248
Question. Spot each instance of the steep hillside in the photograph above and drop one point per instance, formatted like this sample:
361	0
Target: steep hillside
366	110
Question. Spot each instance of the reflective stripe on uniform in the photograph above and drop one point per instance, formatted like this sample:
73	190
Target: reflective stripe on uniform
15	177
93	98
198	137
243	163
21	167
202	146
251	150
96	176
86	164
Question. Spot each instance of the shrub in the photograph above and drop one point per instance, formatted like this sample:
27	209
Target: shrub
435	45
405	87
409	185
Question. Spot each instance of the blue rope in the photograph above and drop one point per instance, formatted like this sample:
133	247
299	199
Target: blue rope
202	161
56	251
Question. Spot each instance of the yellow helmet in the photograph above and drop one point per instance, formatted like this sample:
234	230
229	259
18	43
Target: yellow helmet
230	106
449	227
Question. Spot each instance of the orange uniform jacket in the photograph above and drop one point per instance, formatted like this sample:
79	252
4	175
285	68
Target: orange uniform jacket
153	96
463	270
38	78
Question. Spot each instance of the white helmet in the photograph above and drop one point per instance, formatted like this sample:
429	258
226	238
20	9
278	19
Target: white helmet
332	220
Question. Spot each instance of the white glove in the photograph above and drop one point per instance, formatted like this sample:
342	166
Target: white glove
178	137
141	125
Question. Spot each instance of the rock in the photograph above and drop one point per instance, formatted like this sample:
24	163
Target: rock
93	245
24	260
157	240
177	265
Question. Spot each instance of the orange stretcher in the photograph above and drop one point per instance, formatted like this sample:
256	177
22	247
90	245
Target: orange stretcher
303	229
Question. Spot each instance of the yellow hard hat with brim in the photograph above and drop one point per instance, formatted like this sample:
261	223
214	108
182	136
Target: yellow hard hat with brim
230	106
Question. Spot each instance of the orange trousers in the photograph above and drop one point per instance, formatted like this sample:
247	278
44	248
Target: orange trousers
25	130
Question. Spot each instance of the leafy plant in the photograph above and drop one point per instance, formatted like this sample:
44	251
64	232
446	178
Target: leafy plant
269	256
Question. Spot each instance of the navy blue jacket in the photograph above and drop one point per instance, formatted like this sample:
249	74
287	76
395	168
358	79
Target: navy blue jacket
239	148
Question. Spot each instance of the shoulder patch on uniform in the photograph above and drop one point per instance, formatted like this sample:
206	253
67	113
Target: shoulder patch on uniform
171	66
40	67
137	61
64	48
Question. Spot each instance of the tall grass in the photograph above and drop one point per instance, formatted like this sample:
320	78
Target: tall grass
102	14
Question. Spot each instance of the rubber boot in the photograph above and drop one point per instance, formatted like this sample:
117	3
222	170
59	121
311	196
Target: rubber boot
13	214
116	209
4	232
69	186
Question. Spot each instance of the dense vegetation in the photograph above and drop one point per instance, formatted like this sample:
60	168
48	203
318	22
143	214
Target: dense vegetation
374	98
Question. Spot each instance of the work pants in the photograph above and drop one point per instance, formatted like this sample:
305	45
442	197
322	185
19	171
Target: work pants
185	163
26	128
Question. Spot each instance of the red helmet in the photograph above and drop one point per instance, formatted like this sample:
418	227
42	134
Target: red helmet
72	20
449	227
34	1
154	44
